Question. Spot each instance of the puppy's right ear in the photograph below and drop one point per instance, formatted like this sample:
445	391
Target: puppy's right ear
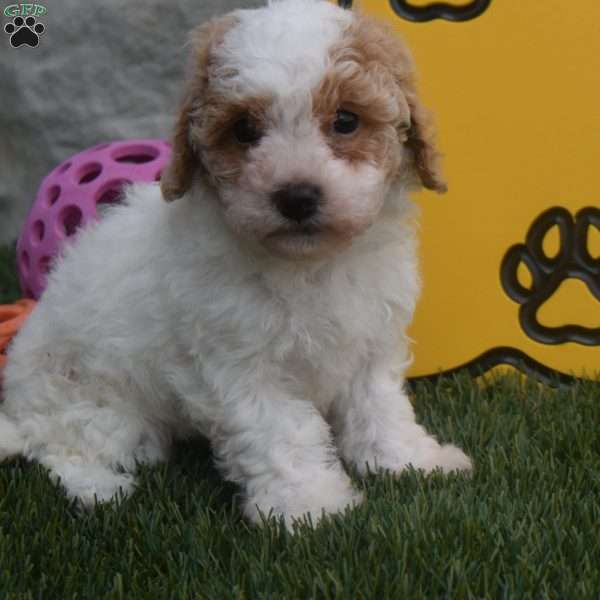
176	179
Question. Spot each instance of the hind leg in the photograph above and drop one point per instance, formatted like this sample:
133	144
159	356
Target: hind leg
88	482
11	443
96	457
79	414
93	449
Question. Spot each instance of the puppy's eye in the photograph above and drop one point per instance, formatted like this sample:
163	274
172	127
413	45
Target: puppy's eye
246	131
346	122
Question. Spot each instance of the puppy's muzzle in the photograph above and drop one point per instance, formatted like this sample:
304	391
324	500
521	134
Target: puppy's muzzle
298	202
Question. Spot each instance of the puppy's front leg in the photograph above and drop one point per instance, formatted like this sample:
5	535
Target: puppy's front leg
277	447
376	429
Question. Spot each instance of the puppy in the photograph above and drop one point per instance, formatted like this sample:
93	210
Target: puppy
260	294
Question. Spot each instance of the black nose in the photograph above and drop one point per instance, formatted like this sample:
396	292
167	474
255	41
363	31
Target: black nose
298	202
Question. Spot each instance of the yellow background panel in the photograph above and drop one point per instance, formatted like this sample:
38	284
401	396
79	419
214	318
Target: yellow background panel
516	94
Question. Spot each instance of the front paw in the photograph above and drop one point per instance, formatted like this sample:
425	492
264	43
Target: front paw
448	458
427	456
315	499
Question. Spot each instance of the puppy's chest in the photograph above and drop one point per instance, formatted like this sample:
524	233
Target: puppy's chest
328	331
325	341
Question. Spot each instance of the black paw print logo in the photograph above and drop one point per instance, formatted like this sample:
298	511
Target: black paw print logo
547	273
440	10
436	10
24	32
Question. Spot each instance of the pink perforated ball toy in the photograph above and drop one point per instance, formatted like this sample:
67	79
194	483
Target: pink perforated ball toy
74	193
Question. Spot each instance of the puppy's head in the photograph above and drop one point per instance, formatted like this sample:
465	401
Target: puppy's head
301	116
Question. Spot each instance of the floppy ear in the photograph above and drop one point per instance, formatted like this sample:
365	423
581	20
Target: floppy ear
177	177
377	45
421	141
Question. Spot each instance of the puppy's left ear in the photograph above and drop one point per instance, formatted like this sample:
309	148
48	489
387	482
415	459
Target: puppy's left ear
177	177
377	45
421	142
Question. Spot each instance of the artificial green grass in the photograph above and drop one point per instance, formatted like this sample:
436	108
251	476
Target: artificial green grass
525	525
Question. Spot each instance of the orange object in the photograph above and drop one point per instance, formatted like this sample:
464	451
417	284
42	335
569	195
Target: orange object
12	316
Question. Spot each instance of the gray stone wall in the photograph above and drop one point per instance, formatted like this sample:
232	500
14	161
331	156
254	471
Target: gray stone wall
103	70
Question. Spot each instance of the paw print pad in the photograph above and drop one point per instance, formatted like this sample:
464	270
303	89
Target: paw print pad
573	260
449	11
24	32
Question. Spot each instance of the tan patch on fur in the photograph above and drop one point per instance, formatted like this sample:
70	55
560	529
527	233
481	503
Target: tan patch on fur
213	126
373	76
177	177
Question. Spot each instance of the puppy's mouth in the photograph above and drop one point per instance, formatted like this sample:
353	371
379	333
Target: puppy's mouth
302	241
308	230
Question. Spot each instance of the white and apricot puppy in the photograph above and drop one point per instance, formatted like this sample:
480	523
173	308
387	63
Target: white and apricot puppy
258	296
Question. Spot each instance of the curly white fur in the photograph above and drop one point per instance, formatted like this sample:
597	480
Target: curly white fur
164	320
